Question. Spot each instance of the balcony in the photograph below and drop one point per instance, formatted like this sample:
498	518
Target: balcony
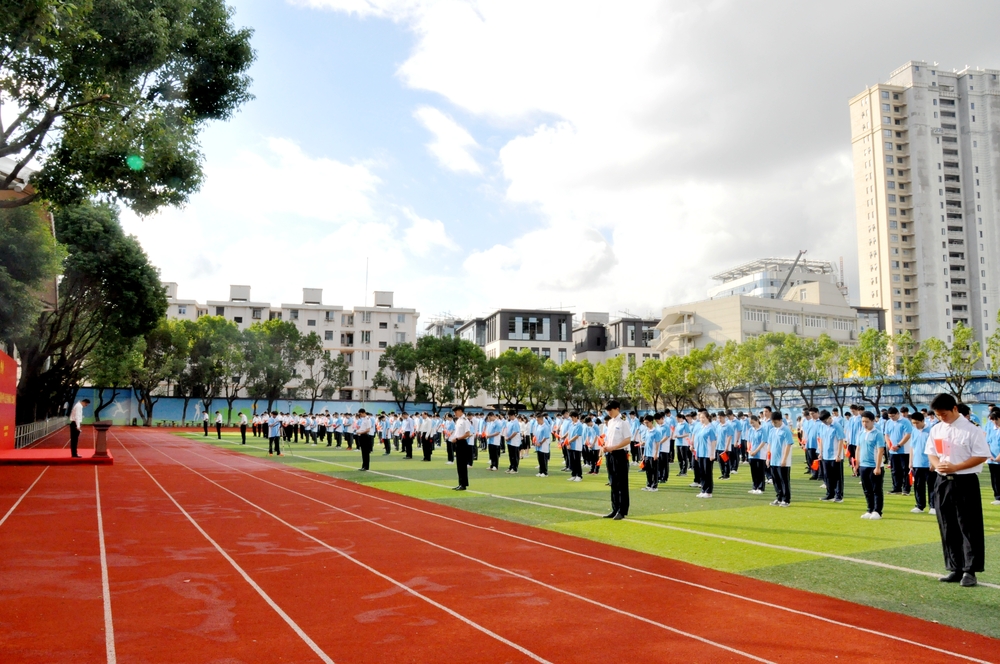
683	330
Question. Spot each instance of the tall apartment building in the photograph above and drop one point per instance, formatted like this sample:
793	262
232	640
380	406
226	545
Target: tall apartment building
361	334
926	149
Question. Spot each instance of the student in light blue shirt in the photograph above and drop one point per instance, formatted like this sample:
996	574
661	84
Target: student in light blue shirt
993	461
682	444
274	435
757	452
923	478
573	444
492	430
649	437
810	431
542	439
898	431
780	444
871	448
705	445
665	424
831	450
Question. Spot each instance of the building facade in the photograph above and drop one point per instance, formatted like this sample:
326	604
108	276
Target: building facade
926	151
360	334
546	333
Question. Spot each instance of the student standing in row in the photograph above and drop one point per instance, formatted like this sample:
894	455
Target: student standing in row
831	450
957	449
705	439
274	435
870	450
493	431
462	440
574	447
650	438
758	456
993	440
512	436
541	437
923	477
364	435
780	448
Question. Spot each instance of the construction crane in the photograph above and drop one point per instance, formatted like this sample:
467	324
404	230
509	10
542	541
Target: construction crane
784	284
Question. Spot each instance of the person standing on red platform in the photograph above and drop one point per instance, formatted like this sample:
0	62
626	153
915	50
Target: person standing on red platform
75	422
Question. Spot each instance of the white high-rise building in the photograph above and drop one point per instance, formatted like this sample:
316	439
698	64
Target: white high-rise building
926	150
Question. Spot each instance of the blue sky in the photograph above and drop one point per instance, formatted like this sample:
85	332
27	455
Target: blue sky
603	156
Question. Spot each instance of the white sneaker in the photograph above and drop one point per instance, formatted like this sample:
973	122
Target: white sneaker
539	475
653	489
866	515
995	502
875	516
694	485
783	505
700	495
916	510
449	462
708	495
752	491
822	486
932	512
570	479
580	479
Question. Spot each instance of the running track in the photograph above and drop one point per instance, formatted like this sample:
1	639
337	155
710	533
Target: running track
196	554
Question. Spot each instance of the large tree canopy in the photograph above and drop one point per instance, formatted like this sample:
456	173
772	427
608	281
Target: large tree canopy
29	255
109	289
109	95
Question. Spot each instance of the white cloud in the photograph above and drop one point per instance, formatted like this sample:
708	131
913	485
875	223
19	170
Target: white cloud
425	235
452	144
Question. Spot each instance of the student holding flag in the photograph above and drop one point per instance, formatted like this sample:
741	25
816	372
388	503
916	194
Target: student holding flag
923	478
831	451
705	441
780	443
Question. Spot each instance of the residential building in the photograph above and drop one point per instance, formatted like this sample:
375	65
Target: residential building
598	338
546	333
361	334
926	149
443	326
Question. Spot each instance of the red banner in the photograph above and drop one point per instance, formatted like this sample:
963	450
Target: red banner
8	396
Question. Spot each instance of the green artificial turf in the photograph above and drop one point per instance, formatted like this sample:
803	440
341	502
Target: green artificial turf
901	539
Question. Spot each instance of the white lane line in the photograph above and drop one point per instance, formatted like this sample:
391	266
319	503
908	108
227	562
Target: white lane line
109	626
307	476
357	562
654	524
503	570
26	491
246	577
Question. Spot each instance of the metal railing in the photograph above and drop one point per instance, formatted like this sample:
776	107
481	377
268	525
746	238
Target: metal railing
26	434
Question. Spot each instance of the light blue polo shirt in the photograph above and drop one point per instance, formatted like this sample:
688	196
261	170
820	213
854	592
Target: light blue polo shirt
918	445
575	430
755	439
896	431
705	438
778	439
868	442
830	436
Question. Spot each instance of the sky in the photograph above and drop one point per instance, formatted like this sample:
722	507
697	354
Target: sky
597	156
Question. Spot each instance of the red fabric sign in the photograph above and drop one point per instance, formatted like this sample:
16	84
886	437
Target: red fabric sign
8	395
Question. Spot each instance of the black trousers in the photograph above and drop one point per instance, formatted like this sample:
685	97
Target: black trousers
781	477
575	463
408	445
871	484
513	456
543	462
696	465
923	487
329	437
683	459
387	444
994	479
494	456
706	471
218	430
724	466
339	436
663	467
365	444
900	472
349	438
757	474
833	471
243	434
463	454
959	506
427	444
450	446
652	478
618	471
811	455
74	438
274	445
204	425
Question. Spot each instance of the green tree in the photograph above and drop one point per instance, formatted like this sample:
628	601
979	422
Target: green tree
804	367
470	370
108	288
542	385
684	379
575	385
108	368
834	364
213	340
161	354
871	363
956	360
337	373
235	366
29	257
434	366
313	357
725	369
649	376
110	95
914	360
609	378
993	352
273	351
397	373
511	375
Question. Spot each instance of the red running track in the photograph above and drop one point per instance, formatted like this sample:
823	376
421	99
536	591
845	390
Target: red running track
214	556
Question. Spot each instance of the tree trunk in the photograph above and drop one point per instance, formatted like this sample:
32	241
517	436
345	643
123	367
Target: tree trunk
101	403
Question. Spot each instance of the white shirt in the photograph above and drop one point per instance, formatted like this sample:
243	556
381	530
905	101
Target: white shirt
243	419
76	415
618	432
462	427
960	441
218	418
364	426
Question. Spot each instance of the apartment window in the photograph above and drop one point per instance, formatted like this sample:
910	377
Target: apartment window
383	326
782	318
888	145
546	353
382	344
892	224
562	355
345	395
182	309
328	335
400	337
887	132
400	318
220	311
293	314
347	339
255	313
843	324
885	94
311	322
756	315
329	317
815	321
347	320
237	319
366	336
803	293
890	185
885	107
366	317
274	315
892	211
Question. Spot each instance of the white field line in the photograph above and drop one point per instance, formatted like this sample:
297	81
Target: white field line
26	491
109	626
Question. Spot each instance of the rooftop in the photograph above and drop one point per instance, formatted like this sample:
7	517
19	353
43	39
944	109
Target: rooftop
765	264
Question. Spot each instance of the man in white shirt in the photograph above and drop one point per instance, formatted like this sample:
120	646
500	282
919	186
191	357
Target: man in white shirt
617	439
243	428
956	450
75	422
364	435
204	422
218	424
462	441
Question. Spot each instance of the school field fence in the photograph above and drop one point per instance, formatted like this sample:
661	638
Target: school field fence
26	434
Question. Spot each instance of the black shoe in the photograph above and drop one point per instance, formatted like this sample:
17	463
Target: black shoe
459	488
362	469
954	577
611	516
895	493
619	517
968	580
76	456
